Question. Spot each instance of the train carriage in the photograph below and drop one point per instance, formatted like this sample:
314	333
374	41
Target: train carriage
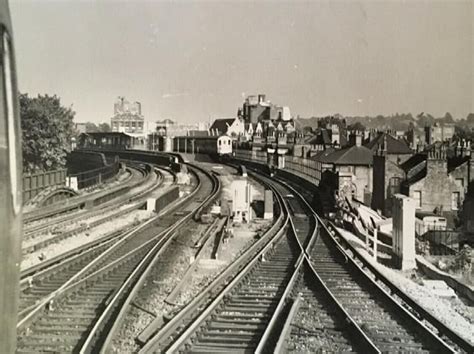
211	145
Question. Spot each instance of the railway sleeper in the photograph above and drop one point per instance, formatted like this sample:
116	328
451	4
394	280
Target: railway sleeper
252	327
220	337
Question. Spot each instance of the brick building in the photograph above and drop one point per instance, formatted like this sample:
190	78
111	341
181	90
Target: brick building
439	132
256	109
353	166
389	154
234	127
127	117
468	213
438	182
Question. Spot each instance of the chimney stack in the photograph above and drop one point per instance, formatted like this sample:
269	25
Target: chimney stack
355	138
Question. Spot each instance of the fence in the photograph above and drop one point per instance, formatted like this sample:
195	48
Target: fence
308	169
96	176
442	242
33	184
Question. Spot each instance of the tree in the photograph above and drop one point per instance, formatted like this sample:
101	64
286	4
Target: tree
47	129
356	126
470	118
448	118
104	128
91	127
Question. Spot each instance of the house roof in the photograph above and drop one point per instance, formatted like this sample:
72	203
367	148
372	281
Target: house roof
354	155
413	161
456	161
322	137
221	125
107	134
198	133
394	146
322	154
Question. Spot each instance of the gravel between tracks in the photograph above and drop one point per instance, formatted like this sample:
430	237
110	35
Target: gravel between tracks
124	222
451	311
170	270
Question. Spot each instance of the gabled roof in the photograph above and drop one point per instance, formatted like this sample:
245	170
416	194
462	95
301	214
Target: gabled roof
354	155
322	154
456	161
413	161
321	138
394	146
221	125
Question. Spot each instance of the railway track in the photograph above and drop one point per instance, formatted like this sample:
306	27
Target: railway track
386	325
40	280
238	317
367	296
246	316
63	320
151	181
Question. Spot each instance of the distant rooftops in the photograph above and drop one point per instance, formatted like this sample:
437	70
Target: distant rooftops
389	144
354	155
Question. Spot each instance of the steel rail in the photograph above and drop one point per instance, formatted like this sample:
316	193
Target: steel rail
141	271
29	274
235	281
420	312
102	208
74	203
264	344
59	219
360	338
408	315
247	260
73	259
129	235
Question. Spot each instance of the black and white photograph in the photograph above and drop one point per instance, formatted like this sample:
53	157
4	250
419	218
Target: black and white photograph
236	176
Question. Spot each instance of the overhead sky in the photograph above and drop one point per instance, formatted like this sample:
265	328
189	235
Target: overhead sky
191	61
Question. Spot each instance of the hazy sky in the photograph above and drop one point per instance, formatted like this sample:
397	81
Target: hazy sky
193	60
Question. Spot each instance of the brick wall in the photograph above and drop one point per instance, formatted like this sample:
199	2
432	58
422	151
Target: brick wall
386	175
437	187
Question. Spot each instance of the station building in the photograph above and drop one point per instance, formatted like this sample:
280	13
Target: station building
111	140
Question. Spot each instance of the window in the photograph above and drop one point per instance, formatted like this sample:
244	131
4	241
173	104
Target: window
417	197
394	185
455	200
220	142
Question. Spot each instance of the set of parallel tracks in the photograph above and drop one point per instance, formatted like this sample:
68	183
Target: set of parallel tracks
57	224
301	294
63	324
43	279
347	310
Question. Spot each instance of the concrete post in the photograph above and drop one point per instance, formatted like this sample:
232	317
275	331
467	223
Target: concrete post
268	205
403	213
375	244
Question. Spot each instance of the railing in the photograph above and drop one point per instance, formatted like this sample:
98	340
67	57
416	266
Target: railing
442	242
309	168
306	168
96	176
33	184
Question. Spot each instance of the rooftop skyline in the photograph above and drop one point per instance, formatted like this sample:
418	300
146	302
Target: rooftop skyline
191	61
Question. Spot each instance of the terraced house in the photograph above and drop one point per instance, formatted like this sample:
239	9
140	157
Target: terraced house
438	179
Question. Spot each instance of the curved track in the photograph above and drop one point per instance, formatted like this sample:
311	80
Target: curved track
63	321
353	315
